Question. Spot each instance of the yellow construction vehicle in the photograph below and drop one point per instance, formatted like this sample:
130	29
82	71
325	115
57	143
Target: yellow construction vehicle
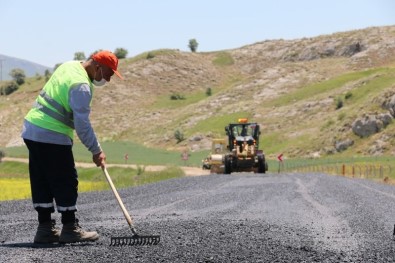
215	160
239	152
243	148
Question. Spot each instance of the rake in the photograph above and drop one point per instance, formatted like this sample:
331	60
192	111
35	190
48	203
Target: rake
136	239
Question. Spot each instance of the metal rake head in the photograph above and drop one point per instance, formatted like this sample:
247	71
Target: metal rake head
135	240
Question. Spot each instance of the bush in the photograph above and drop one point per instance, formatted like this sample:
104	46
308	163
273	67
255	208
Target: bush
177	96
348	95
140	169
8	88
150	55
339	103
179	136
209	92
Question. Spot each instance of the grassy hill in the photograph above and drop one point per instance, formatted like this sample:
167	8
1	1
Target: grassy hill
291	87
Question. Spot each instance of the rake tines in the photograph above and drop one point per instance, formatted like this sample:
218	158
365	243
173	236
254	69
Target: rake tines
135	240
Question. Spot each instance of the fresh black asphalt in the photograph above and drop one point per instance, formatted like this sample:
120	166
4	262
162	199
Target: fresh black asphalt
242	217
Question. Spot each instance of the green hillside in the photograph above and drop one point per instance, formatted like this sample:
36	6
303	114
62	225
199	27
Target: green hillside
305	93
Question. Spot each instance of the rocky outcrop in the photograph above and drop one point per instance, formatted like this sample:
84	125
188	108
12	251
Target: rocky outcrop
371	124
351	49
391	106
343	145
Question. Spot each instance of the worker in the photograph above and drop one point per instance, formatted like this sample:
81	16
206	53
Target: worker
63	105
244	131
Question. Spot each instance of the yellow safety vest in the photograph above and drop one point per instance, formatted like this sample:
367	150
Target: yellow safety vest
51	109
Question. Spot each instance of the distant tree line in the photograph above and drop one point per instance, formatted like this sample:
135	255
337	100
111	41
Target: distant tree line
18	78
120	53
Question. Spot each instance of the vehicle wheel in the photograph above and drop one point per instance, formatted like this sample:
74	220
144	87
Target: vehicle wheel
228	165
262	165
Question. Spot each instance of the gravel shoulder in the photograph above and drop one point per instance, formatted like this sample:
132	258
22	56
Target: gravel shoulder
224	218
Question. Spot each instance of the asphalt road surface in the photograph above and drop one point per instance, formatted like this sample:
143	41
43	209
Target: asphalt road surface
223	218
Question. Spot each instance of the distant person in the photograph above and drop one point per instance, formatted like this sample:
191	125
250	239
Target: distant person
244	131
64	104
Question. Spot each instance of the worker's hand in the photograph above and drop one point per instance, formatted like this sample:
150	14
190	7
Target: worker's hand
99	159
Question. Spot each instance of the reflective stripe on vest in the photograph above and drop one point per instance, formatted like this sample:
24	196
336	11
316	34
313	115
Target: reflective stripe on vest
62	115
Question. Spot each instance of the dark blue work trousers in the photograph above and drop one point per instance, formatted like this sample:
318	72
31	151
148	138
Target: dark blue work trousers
53	176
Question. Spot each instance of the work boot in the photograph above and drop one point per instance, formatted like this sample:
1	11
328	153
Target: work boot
72	232
47	233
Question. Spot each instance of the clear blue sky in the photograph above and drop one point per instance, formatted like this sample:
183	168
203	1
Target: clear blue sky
49	31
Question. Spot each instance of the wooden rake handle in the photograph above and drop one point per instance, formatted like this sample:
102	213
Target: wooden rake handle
114	190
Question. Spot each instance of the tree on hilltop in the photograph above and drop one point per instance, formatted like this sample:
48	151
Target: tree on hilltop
18	75
120	53
79	56
193	44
